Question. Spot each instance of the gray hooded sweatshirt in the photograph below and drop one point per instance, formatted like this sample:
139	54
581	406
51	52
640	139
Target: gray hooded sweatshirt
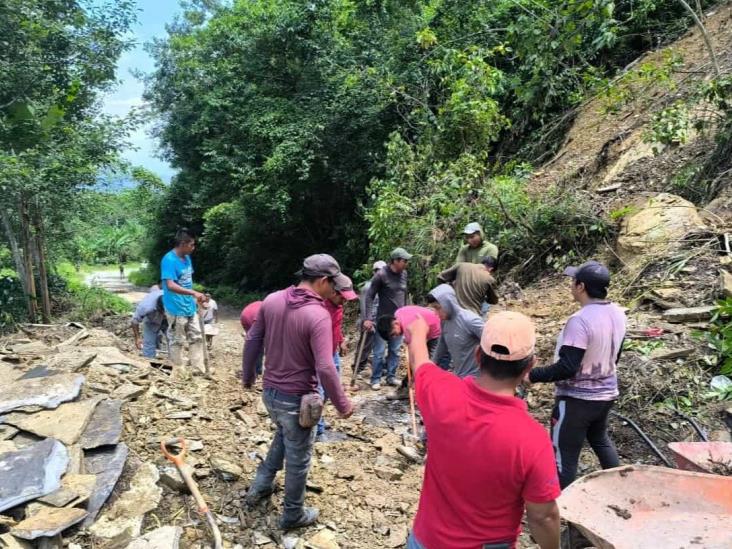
460	333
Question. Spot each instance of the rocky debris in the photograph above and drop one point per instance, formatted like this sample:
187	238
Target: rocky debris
410	453
124	516
128	391
179	415
71	360
66	423
113	357
689	314
397	536
75	489
293	542
31	349
725	282
667	354
165	537
225	469
656	226
31	472
45	392
48	522
9	373
170	477
324	539
9	541
258	538
7	432
107	465
105	425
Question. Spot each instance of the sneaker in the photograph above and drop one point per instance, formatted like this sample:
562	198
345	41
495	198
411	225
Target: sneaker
253	497
393	382
376	386
308	517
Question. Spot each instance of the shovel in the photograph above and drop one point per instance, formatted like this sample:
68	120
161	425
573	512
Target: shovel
178	461
357	360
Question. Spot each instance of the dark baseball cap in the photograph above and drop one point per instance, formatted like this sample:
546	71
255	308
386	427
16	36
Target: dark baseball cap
400	253
320	265
592	274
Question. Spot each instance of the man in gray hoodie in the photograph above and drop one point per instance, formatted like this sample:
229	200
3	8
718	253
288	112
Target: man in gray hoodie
461	331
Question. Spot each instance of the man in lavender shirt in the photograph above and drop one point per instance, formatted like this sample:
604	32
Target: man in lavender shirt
296	330
585	372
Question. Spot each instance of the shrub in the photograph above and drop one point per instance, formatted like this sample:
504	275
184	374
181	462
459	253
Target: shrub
12	302
145	276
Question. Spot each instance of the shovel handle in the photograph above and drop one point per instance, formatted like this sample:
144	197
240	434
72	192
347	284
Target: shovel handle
175	459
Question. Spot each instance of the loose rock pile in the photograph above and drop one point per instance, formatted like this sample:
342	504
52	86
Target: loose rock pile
61	449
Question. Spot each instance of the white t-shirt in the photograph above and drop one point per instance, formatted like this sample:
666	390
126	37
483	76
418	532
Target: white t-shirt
208	311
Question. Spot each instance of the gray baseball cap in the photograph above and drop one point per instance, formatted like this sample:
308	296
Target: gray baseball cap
320	265
471	228
400	253
379	265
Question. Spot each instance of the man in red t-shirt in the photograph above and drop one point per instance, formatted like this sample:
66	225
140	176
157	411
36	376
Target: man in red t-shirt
390	326
488	458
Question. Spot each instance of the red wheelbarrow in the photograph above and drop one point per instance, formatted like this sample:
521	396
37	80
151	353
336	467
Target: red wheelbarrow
703	457
649	507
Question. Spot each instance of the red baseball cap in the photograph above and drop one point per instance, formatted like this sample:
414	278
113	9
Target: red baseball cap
344	286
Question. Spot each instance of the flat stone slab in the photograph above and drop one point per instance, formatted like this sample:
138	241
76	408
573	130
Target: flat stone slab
9	373
74	489
70	360
689	314
124	516
107	465
31	472
48	522
166	537
8	541
105	425
46	392
66	423
128	391
110	356
34	348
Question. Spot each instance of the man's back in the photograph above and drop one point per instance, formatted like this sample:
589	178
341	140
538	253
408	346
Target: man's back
486	457
391	289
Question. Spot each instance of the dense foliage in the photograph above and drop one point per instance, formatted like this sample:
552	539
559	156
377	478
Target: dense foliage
56	58
351	127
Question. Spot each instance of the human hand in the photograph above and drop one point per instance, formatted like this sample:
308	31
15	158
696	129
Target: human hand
200	298
348	413
138	344
418	328
368	326
343	348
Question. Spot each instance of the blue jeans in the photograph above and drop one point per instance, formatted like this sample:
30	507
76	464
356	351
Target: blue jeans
150	334
413	542
258	365
321	423
392	359
292	445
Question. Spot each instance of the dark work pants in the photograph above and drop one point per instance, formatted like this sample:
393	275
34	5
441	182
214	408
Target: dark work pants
573	421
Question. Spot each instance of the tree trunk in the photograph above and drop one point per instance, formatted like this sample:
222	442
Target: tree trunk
14	249
27	244
41	260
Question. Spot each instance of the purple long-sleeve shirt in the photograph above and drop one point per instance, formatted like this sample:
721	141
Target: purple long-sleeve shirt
296	331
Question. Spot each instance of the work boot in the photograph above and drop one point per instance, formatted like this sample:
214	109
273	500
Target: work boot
376	386
402	393
393	382
253	496
308	517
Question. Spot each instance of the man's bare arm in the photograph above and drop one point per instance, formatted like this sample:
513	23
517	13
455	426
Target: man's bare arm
543	519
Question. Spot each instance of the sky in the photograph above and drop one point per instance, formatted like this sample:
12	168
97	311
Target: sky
152	17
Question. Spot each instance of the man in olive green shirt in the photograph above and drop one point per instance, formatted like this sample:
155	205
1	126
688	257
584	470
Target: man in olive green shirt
475	247
473	283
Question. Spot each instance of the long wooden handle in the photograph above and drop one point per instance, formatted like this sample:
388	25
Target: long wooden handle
411	401
357	359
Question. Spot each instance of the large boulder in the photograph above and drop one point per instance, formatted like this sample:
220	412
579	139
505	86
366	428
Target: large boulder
656	227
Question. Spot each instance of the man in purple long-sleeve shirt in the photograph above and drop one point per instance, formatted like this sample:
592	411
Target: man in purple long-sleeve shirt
296	330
